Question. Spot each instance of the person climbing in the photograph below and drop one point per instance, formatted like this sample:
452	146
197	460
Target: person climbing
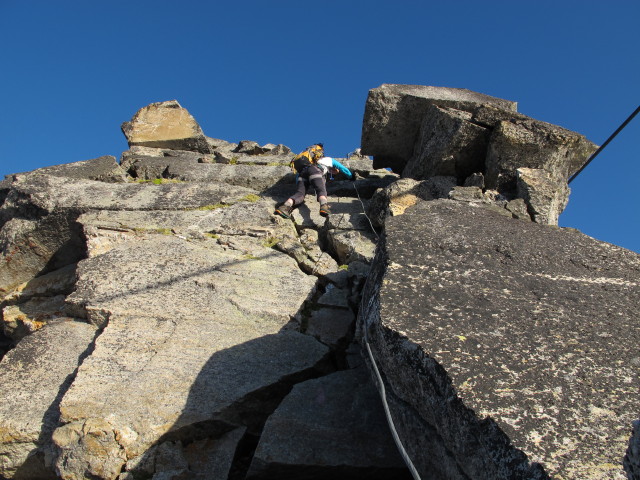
311	166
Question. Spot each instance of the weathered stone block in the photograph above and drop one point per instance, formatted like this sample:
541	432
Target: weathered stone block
545	194
251	176
519	141
18	321
448	144
393	115
102	169
165	125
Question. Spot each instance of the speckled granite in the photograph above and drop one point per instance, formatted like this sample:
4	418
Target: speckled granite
516	343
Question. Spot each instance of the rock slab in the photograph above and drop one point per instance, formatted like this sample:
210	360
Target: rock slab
515	342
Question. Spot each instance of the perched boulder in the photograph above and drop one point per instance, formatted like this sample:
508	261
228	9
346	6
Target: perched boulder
34	377
497	335
332	427
394	114
165	125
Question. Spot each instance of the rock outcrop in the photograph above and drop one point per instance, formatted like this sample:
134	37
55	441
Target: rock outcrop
159	321
424	132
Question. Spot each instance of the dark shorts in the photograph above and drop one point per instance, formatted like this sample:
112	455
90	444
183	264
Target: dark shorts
310	177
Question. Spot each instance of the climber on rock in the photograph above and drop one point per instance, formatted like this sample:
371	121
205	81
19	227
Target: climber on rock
311	168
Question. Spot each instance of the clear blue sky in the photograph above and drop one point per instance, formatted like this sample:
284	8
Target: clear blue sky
297	72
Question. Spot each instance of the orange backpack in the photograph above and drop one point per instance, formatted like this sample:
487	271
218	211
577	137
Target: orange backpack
309	156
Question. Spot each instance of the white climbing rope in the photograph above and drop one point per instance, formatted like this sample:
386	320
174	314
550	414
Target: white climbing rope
387	411
381	388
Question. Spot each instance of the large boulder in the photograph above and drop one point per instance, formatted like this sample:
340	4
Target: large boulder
497	336
165	125
301	434
394	113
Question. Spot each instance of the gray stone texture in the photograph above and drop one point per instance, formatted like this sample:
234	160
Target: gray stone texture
301	434
102	169
41	233
520	141
402	194
210	329
255	177
34	377
545	195
515	342
448	144
394	114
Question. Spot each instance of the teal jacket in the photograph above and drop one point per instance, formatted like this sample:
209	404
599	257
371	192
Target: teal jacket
325	163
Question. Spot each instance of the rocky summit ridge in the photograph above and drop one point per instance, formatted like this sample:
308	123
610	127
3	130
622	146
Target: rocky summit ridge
159	322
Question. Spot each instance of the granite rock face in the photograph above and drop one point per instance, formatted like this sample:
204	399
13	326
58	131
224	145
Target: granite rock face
159	321
514	343
198	309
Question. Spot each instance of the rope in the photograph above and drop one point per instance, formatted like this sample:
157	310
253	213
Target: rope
364	211
387	412
613	135
381	388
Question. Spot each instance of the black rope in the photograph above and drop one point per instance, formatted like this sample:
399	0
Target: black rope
595	154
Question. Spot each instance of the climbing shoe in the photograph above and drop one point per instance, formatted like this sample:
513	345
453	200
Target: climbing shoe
284	211
325	210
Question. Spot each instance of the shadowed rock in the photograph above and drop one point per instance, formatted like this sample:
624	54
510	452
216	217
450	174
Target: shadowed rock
448	144
394	113
515	342
34	377
300	438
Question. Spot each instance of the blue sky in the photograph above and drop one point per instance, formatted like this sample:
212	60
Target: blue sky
298	72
